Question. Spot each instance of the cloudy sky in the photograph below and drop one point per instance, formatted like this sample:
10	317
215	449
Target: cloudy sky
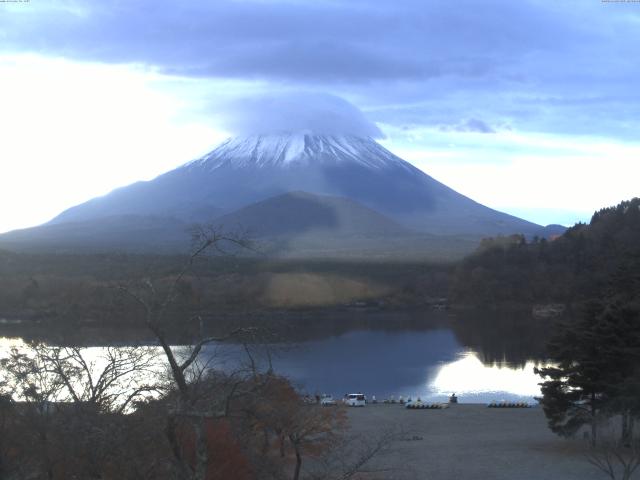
527	106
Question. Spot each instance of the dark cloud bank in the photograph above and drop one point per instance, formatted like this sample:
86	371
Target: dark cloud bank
528	63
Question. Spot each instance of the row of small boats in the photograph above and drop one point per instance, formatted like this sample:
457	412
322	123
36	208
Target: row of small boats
428	406
509	405
438	406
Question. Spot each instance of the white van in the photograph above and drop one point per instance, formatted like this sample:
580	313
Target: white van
355	400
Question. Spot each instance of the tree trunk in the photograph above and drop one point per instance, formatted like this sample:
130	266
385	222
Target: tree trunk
281	438
44	445
626	425
202	457
170	432
265	441
594	426
183	469
176	371
296	448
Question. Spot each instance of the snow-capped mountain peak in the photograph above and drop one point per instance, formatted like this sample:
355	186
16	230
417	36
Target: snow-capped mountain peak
299	148
251	169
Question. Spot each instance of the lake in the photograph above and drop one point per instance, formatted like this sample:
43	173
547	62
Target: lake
481	358
431	364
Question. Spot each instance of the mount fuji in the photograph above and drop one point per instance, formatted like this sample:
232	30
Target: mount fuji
277	186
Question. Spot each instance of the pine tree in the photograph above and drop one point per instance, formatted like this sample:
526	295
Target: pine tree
574	391
597	371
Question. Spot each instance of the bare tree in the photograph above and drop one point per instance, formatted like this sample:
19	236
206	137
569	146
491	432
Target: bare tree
312	427
71	401
617	460
353	456
183	366
110	380
618	457
107	413
33	384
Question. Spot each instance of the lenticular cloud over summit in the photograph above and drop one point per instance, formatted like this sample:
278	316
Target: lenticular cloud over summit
320	114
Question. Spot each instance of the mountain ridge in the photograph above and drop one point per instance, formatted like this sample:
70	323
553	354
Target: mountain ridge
246	170
303	192
301	212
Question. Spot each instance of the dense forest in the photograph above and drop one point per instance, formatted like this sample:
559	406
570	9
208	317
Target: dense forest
587	261
598	259
593	272
70	289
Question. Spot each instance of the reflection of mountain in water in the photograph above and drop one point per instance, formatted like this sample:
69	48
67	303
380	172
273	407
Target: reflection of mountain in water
281	327
382	353
427	363
369	361
495	336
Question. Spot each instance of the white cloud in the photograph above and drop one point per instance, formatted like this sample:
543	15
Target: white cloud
550	177
72	131
294	111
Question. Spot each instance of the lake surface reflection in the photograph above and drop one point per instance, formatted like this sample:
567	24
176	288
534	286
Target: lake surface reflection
431	364
481	358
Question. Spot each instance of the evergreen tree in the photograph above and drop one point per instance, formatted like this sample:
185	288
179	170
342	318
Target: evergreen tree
574	392
620	330
597	370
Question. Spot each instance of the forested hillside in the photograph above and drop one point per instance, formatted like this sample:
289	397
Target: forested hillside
66	289
598	259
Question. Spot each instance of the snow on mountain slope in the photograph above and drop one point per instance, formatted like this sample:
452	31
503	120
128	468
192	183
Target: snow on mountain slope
300	148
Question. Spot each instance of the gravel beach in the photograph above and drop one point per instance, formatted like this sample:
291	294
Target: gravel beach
470	441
